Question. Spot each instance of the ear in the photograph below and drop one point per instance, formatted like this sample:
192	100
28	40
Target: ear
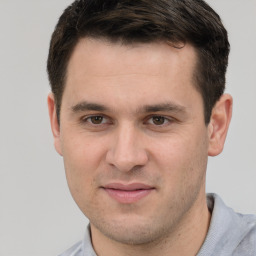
219	123
54	122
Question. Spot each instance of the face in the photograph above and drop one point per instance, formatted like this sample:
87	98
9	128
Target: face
133	138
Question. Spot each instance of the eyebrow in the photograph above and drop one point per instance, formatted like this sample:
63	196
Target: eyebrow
85	106
163	107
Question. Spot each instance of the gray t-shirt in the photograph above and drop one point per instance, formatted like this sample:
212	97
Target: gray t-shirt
230	234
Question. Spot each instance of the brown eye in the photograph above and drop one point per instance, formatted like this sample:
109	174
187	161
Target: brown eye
158	120
96	119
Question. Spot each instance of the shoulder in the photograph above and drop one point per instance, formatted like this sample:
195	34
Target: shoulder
247	245
230	233
75	250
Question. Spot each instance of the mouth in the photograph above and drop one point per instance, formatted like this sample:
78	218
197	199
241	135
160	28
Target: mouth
129	193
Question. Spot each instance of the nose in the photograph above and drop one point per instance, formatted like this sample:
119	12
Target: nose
127	151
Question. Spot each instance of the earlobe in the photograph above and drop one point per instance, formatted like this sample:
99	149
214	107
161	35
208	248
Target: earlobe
54	122
219	124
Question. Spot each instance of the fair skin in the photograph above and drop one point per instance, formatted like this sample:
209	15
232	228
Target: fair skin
135	146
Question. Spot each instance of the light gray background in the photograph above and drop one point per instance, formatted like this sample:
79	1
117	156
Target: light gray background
37	214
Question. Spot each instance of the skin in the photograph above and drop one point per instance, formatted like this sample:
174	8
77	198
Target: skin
131	114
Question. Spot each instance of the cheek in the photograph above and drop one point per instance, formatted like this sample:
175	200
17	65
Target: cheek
182	165
181	155
81	152
171	152
82	160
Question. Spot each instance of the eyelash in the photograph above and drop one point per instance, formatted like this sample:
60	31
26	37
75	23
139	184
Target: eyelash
87	118
166	120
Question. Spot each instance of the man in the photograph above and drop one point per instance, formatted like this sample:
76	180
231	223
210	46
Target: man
136	108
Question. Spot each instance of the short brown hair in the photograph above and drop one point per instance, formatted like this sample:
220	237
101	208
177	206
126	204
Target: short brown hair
144	21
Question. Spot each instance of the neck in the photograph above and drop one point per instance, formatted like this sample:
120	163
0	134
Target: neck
185	240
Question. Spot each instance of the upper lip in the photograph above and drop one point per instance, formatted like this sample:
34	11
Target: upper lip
128	187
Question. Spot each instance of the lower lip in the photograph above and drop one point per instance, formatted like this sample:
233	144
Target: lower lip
128	196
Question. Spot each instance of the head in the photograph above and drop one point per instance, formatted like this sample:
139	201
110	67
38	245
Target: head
136	109
176	22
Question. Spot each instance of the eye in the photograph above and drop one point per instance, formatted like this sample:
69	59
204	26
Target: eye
158	120
95	120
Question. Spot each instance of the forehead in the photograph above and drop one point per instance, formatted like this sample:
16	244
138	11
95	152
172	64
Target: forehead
102	57
114	73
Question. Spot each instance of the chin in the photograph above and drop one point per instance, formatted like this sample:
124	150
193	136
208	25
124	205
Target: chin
131	232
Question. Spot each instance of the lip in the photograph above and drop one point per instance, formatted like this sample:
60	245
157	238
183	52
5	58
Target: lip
128	193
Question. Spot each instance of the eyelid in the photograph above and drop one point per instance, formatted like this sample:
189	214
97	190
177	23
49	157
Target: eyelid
168	119
84	119
107	120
